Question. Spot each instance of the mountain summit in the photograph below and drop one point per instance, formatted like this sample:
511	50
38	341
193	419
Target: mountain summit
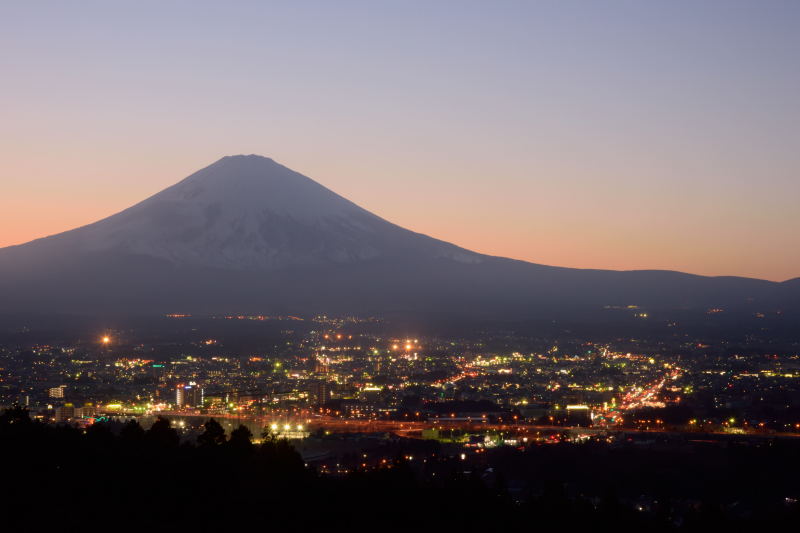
248	234
249	213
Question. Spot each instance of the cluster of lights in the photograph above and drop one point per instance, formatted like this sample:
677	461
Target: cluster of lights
409	345
286	427
338	336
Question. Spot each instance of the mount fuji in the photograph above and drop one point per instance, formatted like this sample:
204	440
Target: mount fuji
247	234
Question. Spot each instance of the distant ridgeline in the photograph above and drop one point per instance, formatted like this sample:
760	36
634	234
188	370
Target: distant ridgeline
248	235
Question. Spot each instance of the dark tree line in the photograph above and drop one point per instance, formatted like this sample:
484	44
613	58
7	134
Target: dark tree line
130	479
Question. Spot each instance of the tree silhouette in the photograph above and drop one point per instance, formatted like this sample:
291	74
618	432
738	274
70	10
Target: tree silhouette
100	436
15	415
240	439
213	434
132	432
162	435
268	435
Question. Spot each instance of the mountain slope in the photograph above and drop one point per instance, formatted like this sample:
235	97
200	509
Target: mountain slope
244	213
249	235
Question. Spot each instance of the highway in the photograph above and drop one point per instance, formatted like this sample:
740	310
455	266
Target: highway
413	429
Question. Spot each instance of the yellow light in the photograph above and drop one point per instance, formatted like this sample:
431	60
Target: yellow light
274	427
300	427
106	339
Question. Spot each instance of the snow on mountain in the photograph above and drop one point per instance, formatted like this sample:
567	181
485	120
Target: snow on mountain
249	212
248	234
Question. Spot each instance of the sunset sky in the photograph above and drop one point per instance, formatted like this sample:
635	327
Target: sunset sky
624	135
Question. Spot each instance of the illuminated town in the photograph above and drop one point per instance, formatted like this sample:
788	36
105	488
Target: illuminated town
322	377
361	396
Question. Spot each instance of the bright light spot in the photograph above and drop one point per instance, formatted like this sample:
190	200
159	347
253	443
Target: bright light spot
274	427
106	339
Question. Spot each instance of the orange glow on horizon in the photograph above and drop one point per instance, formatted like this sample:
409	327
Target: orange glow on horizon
644	237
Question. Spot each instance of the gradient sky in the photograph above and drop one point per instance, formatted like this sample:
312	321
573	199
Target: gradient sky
626	134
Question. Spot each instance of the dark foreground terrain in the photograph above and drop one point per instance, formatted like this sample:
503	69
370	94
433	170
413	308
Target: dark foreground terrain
118	477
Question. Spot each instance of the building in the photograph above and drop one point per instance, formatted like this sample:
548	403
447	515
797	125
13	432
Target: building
579	415
535	411
56	392
350	408
64	413
322	365
87	411
188	396
320	393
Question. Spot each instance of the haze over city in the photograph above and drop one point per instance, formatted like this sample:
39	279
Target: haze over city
624	136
